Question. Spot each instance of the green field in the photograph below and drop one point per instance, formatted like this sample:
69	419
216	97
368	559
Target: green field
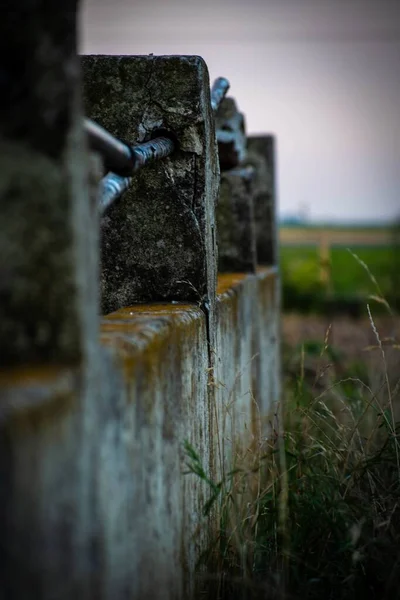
301	272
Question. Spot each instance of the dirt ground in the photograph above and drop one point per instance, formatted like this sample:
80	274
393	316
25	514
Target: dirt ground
352	336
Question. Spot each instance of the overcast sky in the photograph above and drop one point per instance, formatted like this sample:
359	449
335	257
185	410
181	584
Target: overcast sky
323	75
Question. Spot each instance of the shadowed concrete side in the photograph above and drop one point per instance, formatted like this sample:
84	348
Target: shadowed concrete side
261	155
48	233
247	360
235	223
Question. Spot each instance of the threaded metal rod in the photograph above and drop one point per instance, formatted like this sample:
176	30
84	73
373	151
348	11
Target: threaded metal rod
120	158
112	186
218	92
155	149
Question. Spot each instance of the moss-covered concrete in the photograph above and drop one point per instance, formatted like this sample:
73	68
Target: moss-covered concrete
261	155
158	241
235	223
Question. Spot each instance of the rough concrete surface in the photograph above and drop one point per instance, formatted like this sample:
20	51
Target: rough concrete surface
261	155
236	234
148	531
267	310
92	466
45	213
247	360
158	241
92	482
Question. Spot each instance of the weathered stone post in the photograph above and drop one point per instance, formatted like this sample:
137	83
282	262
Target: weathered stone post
235	222
235	211
48	275
231	134
48	306
158	239
261	155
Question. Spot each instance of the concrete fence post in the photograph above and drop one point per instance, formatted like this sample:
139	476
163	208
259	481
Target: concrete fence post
235	222
49	323
158	239
48	253
261	155
235	210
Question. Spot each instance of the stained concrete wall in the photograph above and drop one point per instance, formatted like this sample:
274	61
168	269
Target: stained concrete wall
92	478
160	357
94	503
247	369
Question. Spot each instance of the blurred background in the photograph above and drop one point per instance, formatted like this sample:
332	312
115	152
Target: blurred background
324	77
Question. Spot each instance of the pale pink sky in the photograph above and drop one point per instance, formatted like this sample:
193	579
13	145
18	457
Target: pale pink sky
323	75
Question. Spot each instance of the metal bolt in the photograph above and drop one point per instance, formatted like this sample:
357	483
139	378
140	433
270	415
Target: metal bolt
218	92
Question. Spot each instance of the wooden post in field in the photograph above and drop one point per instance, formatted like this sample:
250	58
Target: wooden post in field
325	263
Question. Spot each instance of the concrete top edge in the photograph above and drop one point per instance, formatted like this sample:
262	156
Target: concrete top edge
261	137
137	327
230	282
195	58
37	388
169	310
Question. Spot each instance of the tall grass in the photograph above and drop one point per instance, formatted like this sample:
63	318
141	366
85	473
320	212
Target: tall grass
315	512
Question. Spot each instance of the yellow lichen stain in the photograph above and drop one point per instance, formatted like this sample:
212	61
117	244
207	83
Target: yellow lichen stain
228	281
28	376
131	327
267	271
147	337
267	294
138	310
152	373
144	321
36	397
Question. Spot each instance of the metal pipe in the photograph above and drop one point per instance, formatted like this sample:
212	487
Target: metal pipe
117	156
218	92
121	158
112	186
